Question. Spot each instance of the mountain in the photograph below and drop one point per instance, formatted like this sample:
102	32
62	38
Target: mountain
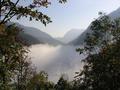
80	40
35	36
115	14
70	35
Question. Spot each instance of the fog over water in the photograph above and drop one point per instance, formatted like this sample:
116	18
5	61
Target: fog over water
56	60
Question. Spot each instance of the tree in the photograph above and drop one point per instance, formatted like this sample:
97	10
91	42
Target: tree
23	74
13	51
39	81
102	65
11	8
62	84
13	57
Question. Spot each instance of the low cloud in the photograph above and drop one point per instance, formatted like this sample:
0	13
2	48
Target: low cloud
56	60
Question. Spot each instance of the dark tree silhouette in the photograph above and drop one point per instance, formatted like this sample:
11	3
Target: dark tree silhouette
102	65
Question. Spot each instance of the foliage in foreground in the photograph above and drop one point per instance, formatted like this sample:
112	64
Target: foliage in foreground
102	65
14	64
31	10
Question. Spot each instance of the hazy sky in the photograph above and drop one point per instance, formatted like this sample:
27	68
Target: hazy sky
75	14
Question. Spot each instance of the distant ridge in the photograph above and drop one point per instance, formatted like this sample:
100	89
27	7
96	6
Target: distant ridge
35	36
70	35
80	39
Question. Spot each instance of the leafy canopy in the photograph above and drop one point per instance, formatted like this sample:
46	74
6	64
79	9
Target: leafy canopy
102	65
11	8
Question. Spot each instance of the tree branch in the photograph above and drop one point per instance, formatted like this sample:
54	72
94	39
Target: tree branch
6	16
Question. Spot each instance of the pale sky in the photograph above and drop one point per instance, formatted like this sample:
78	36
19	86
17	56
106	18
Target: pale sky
75	14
